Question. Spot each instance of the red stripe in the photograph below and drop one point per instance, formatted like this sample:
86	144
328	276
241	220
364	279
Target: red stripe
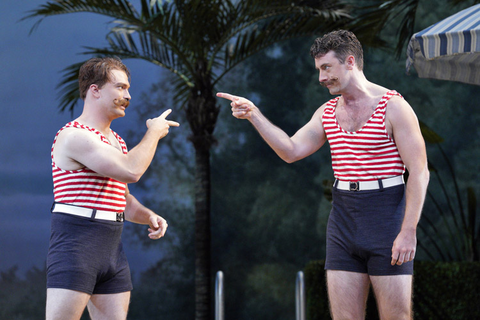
366	146
96	191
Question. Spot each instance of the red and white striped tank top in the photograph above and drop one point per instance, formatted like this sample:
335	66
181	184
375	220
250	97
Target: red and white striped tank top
85	187
367	154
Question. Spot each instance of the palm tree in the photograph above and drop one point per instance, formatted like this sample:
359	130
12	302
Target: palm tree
199	41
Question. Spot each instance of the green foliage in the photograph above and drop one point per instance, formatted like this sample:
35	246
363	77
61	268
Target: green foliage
197	40
268	217
442	290
447	290
455	234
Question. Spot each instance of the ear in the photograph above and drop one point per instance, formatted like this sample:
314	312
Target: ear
94	90
350	62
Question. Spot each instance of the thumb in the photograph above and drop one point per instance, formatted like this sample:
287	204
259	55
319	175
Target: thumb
154	221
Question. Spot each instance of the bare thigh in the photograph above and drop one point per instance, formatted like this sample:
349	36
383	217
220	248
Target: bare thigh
347	293
63	304
109	306
394	296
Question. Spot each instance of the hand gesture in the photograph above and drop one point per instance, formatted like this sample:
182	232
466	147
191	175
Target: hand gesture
162	124
241	108
158	227
404	247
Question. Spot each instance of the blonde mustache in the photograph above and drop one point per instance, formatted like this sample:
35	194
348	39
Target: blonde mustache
121	102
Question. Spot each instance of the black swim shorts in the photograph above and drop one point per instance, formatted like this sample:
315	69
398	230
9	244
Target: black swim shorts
87	255
361	229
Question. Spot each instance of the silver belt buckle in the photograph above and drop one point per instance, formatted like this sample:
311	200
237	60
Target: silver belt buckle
353	186
120	217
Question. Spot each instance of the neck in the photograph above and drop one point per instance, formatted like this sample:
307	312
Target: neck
93	121
357	88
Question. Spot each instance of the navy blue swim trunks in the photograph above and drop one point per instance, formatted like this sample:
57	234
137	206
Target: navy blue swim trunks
362	228
87	255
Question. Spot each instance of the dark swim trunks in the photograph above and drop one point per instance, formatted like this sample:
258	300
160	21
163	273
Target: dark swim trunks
87	255
361	229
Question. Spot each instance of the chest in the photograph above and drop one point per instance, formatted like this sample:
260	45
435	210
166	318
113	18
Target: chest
352	119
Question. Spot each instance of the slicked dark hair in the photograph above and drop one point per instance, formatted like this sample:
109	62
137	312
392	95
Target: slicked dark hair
343	43
98	71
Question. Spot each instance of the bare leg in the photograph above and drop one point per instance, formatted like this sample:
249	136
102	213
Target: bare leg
394	296
109	306
63	304
347	293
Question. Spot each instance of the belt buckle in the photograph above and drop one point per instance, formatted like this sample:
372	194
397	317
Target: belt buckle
353	186
120	216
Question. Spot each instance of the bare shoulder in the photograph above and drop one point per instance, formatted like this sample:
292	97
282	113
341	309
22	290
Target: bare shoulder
400	117
398	108
73	138
72	146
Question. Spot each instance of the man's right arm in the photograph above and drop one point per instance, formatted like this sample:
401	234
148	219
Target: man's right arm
303	143
85	149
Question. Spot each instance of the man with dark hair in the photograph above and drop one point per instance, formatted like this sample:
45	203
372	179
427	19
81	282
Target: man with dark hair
373	135
86	264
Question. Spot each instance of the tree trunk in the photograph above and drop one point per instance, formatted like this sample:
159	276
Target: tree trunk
202	114
202	235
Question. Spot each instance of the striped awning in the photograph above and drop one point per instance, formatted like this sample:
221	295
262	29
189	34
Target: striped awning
449	49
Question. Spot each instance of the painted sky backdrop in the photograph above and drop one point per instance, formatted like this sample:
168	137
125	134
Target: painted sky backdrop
31	68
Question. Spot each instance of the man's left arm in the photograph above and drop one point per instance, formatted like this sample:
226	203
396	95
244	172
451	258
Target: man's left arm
411	146
137	213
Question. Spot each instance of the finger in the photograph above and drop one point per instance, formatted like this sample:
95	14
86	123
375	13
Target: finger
410	256
401	259
154	234
173	123
155	223
394	259
165	113
227	96
158	233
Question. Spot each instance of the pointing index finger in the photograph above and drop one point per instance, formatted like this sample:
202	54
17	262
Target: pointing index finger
227	96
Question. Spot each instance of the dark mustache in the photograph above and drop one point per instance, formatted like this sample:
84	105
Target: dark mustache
121	102
327	83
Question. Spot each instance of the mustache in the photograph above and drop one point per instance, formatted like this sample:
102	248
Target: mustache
121	102
327	83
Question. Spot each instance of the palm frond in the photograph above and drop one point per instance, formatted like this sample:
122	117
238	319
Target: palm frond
278	25
69	87
121	9
147	47
373	17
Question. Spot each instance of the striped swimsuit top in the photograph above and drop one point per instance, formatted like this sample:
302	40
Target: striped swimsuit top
364	155
84	187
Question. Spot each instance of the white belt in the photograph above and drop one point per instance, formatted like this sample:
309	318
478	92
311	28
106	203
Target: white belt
368	185
88	213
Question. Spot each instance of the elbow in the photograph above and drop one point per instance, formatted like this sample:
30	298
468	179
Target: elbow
422	175
426	174
289	158
132	177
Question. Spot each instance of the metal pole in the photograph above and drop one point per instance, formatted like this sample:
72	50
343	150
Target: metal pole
300	296
219	314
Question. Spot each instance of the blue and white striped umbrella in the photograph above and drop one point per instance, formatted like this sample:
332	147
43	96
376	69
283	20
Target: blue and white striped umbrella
449	49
